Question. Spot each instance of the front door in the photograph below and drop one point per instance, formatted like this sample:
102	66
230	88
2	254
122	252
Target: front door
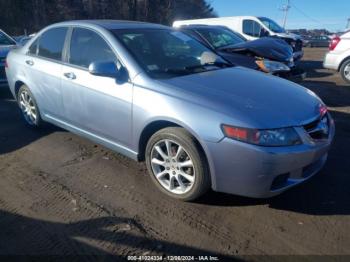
97	105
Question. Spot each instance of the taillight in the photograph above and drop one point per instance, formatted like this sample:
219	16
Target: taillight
334	42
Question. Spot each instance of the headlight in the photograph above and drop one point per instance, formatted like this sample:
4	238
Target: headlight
266	137
271	66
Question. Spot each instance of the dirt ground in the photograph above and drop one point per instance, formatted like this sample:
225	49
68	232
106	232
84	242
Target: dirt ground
63	195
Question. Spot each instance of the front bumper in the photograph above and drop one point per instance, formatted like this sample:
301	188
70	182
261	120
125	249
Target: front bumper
262	172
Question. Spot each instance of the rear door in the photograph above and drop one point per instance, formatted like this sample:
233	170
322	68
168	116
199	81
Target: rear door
99	106
43	65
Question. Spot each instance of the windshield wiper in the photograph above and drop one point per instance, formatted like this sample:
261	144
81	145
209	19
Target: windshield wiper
205	65
190	69
171	71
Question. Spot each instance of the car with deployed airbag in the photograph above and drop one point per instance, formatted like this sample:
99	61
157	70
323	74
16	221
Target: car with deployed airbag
157	95
252	28
268	54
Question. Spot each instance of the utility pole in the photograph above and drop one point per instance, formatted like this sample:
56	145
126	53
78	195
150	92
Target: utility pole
348	24
285	9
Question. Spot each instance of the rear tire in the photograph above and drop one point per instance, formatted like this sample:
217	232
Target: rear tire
345	71
177	164
29	107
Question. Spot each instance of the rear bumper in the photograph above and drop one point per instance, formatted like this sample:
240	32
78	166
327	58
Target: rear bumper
262	172
331	61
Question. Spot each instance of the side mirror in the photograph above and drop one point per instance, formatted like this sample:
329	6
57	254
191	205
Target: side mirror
109	69
264	33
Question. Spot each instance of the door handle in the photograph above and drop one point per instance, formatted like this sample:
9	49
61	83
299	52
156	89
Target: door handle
29	62
70	75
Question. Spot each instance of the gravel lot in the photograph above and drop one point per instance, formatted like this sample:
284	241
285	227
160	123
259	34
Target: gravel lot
61	194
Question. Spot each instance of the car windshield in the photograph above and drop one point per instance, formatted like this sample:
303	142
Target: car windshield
272	25
220	37
165	53
5	40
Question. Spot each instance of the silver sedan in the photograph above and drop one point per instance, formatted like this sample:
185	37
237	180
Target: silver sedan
155	94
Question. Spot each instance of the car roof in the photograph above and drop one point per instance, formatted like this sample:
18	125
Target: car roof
113	24
197	26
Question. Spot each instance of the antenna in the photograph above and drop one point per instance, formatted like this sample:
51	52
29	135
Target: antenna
285	9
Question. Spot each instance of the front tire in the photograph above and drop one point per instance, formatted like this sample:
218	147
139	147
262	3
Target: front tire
345	71
29	107
177	164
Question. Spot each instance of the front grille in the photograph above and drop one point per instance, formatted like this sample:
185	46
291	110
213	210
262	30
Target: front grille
2	73
290	64
298	46
318	129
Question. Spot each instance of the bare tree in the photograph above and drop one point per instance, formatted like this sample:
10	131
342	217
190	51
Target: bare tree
18	15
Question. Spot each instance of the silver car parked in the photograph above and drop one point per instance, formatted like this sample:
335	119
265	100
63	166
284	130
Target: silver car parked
155	94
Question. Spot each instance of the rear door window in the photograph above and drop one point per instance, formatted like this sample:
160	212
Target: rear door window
251	27
51	43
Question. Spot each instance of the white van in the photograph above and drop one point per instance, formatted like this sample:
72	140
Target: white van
251	27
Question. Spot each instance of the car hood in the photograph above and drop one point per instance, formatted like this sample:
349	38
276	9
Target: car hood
266	47
5	49
247	96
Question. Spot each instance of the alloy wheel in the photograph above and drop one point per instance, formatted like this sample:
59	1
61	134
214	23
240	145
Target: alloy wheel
28	107
172	166
347	71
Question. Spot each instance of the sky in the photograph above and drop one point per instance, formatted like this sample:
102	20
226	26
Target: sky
309	14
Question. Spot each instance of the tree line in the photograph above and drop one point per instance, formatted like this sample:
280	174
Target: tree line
19	16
